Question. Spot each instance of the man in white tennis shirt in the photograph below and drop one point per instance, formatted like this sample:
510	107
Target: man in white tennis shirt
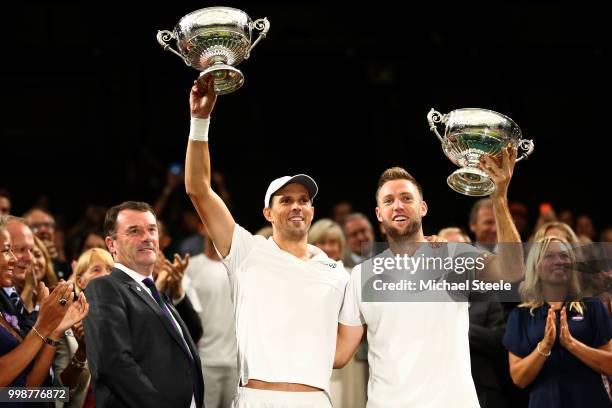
287	294
419	352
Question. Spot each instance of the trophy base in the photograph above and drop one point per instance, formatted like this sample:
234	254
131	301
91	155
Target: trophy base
471	182
227	78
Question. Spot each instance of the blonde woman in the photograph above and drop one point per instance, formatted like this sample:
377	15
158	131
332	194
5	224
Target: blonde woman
43	265
556	229
328	236
70	363
558	342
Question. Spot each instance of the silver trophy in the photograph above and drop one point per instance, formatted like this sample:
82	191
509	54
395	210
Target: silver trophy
469	134
213	40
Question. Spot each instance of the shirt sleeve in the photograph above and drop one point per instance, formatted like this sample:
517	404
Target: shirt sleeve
515	339
602	323
350	313
242	244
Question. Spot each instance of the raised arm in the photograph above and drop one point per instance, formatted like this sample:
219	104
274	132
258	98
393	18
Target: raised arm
211	208
508	264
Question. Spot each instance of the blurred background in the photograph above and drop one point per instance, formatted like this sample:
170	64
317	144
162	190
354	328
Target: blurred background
94	112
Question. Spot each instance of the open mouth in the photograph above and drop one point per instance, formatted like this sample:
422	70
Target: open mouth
399	218
296	219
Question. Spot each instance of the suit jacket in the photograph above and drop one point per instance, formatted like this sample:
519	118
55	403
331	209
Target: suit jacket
136	357
487	352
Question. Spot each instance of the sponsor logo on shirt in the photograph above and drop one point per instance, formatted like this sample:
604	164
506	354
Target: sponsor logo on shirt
331	265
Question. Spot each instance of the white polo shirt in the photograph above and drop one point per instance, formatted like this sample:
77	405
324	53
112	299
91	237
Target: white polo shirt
209	292
286	311
419	352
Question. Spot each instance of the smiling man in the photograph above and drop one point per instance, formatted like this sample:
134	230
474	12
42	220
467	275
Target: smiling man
418	346
139	350
286	294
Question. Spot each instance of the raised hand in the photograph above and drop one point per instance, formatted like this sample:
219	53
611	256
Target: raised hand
202	97
500	172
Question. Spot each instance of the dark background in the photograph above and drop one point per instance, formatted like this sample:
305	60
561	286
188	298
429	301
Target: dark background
93	110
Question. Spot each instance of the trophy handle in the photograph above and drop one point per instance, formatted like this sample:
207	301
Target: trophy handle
260	24
162	37
434	117
525	145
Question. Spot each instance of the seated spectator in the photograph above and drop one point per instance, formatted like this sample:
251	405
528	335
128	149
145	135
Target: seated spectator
26	360
558	342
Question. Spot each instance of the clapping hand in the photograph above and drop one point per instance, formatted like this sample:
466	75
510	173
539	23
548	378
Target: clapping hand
550	331
565	337
177	272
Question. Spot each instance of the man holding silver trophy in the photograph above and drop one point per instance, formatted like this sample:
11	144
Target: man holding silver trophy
418	344
286	294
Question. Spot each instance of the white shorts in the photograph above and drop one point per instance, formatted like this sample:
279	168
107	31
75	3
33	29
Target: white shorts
252	398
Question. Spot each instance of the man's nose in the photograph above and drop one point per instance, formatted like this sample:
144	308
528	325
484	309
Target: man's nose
27	256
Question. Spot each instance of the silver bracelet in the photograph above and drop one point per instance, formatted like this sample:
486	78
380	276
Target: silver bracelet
545	355
51	342
38	334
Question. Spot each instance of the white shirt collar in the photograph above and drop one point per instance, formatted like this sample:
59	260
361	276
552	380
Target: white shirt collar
316	253
133	274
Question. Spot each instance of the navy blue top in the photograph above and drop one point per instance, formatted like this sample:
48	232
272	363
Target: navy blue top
564	381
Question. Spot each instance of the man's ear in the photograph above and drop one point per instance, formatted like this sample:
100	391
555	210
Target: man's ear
267	213
110	245
378	216
423	208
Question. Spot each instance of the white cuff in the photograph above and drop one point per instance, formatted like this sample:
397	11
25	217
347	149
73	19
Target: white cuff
199	129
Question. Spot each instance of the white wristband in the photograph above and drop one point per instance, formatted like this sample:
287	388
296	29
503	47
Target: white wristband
199	129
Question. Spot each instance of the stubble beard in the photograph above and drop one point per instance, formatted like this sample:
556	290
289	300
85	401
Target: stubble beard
406	235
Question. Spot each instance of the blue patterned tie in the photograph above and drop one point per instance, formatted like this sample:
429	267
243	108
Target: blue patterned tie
16	299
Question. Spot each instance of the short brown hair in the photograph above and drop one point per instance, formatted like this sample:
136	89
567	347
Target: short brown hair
396	173
110	221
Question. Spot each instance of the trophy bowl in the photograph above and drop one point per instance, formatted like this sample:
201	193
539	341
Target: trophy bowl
214	40
470	133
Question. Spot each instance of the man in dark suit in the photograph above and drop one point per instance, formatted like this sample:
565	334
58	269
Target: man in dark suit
139	349
487	353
